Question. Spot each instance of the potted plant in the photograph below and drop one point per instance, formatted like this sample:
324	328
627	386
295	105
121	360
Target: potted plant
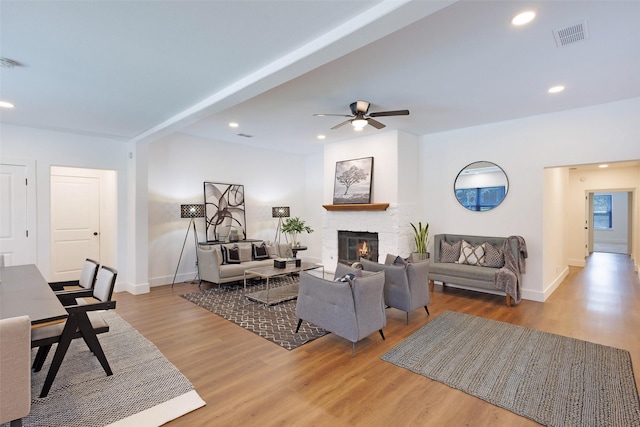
293	227
421	239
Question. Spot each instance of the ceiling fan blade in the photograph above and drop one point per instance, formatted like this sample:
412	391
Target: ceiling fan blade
376	124
390	113
341	124
334	115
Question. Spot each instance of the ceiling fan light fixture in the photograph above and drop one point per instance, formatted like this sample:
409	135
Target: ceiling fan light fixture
359	124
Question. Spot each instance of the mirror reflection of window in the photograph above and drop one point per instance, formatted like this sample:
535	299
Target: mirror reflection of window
481	186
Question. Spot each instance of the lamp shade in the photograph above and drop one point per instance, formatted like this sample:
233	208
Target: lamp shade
191	211
280	212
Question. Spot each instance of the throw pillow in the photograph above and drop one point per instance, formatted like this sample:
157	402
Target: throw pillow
260	251
233	254
493	256
273	250
472	255
449	252
400	261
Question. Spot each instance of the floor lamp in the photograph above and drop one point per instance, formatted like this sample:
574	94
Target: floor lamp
193	212
279	212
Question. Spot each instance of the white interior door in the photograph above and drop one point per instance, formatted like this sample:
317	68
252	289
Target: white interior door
13	214
75	224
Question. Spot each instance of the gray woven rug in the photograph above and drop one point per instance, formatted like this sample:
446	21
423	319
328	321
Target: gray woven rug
553	380
83	395
276	323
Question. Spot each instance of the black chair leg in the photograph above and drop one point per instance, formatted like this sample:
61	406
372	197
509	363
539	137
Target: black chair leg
63	345
91	339
381	334
41	356
428	314
298	327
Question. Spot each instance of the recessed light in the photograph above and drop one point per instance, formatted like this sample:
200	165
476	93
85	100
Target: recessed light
5	104
523	18
556	89
321	137
233	125
603	166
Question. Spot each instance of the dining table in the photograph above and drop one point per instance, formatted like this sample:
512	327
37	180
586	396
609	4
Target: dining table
24	291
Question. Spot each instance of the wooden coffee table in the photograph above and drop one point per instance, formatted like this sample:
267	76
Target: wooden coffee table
282	293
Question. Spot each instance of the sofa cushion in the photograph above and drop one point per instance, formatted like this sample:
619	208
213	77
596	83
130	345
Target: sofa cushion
450	252
246	252
493	256
260	251
472	255
230	254
464	271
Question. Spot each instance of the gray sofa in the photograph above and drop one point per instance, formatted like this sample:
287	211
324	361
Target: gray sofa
212	269
405	287
351	311
474	277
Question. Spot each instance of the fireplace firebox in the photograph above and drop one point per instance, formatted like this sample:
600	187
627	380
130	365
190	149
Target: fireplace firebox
353	245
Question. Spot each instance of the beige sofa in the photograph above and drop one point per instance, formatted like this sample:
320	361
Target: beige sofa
211	267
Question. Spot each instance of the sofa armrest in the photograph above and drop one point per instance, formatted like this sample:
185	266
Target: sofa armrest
208	264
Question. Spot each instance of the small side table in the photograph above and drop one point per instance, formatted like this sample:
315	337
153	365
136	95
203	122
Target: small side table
296	249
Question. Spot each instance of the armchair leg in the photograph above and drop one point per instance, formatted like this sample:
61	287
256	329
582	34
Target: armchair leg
428	314
298	327
63	345
508	300
41	356
431	285
381	334
92	342
407	318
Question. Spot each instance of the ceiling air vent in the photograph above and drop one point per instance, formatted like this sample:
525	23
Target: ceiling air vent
571	34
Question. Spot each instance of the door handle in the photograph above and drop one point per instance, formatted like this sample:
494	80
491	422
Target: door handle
95	233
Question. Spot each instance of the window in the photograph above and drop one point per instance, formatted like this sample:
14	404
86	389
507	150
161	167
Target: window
602	211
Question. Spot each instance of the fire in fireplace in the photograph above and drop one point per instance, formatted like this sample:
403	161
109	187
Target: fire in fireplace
353	245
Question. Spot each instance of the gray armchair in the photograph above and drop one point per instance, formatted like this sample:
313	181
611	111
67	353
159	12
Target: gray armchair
405	287
350	311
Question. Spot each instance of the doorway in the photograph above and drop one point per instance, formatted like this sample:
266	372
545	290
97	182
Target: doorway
83	220
611	217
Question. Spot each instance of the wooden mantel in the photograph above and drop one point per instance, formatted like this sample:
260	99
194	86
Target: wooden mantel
358	207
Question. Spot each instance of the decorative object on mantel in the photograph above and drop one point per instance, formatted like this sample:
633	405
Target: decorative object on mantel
293	227
358	207
353	181
189	211
224	210
280	212
421	239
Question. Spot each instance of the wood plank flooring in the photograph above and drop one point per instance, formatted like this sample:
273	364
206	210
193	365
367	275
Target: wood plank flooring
249	381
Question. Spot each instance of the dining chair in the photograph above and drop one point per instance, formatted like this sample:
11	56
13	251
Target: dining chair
87	278
84	321
15	357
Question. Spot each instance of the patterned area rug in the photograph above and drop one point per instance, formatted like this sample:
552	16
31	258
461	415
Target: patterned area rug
551	379
144	390
276	323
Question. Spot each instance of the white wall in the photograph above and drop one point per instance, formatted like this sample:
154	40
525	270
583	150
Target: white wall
523	148
47	149
177	168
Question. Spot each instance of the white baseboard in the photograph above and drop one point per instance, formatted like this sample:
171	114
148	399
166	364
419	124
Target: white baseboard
576	262
555	283
133	289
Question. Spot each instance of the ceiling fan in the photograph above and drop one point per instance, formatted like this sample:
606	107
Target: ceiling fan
359	117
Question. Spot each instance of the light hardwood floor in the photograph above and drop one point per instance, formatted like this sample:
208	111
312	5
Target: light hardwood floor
249	381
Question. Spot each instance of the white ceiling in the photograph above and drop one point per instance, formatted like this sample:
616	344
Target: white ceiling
135	70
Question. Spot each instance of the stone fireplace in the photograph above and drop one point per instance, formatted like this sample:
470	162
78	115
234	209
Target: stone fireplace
353	245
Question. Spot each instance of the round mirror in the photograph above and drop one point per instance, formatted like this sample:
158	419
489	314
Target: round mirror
481	186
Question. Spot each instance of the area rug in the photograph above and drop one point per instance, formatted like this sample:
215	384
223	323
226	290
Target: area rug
144	390
551	379
276	323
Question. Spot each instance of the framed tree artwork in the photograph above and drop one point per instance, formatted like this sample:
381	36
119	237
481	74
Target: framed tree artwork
224	211
353	181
